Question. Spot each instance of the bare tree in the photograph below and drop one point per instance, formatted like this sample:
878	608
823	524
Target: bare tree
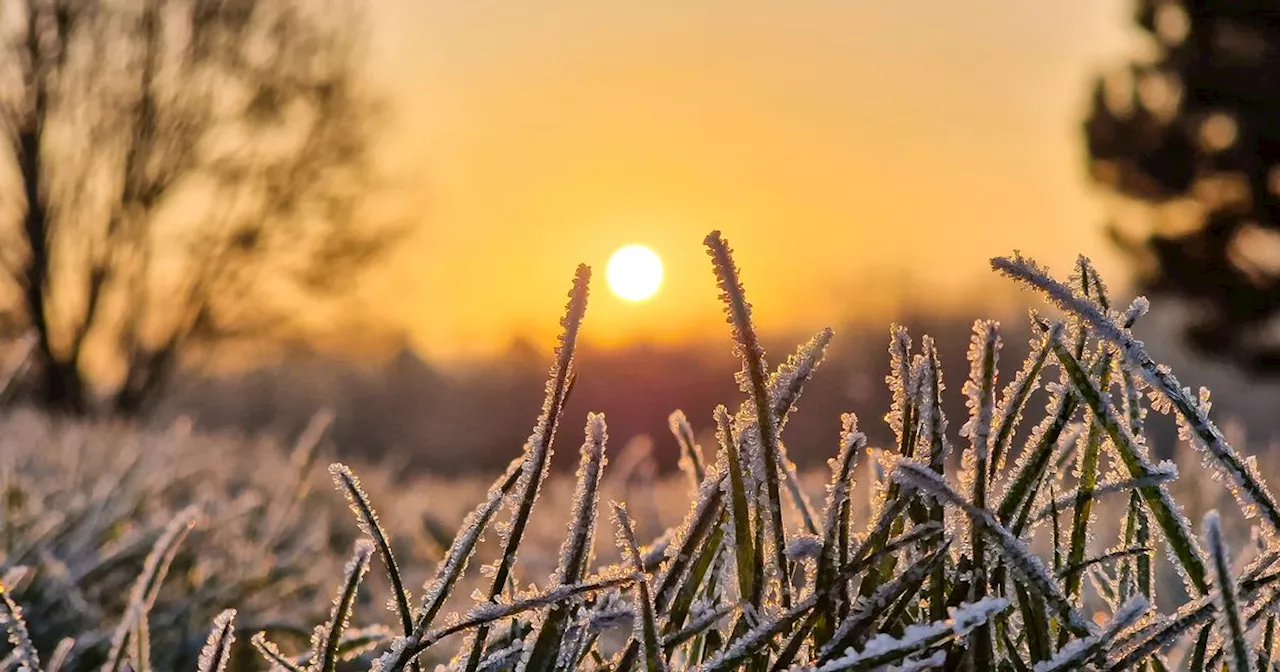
183	172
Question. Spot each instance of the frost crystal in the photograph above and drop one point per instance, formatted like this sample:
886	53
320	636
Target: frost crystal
786	384
803	547
1248	488
217	649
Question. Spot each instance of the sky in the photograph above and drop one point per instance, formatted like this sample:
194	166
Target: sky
861	157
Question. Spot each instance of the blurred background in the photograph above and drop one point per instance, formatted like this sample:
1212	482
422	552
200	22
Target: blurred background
244	211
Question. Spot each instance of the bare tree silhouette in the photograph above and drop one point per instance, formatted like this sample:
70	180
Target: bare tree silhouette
181	172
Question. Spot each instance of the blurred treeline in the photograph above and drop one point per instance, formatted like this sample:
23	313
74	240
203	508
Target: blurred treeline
425	417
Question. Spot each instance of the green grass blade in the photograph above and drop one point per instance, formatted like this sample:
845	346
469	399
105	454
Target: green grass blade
752	355
694	581
786	384
858	626
739	508
1133	454
538	446
367	518
933	428
1242	476
852	442
1162	473
1024	564
1232	627
1079	568
488	613
575	553
885	649
1087	478
984	352
454	564
1014	401
1035	623
1078	655
753	641
646	619
1197	656
324	643
1033	463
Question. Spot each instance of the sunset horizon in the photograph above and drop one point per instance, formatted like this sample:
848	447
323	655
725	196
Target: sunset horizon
543	140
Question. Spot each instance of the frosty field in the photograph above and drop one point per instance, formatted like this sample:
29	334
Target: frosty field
1038	533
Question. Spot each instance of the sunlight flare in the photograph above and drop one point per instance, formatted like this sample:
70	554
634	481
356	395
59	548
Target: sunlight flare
634	272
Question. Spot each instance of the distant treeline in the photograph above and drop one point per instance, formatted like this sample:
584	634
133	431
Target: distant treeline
446	420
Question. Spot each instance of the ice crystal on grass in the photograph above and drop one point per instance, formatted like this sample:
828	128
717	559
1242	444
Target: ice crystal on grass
885	648
1232	624
1078	652
1249	489
803	547
367	519
24	653
217	649
691	460
325	638
786	384
898	379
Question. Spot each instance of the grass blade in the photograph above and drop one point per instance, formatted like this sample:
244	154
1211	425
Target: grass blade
325	640
538	447
752	355
753	641
1232	626
646	627
857	626
744	554
1244	481
217	649
272	654
488	613
575	553
1014	401
1019	558
367	518
147	588
1133	454
852	442
885	649
691	460
1079	652
24	652
1087	478
984	350
453	566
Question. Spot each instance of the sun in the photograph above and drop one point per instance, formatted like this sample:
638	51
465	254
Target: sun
634	272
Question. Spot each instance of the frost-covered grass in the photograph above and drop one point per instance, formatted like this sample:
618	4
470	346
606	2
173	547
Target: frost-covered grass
1042	535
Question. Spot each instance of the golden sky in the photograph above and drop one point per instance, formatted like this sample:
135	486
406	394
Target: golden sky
858	155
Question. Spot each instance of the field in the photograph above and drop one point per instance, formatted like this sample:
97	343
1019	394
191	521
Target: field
130	548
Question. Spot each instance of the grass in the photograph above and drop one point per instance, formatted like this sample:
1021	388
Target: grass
974	551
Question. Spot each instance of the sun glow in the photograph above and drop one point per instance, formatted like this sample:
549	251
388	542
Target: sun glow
634	272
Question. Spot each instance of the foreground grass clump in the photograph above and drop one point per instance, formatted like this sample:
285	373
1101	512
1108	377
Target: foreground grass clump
942	573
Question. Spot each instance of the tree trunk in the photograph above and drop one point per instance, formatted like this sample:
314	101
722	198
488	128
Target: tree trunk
62	388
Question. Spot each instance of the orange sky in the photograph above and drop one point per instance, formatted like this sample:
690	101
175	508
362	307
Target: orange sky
857	154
